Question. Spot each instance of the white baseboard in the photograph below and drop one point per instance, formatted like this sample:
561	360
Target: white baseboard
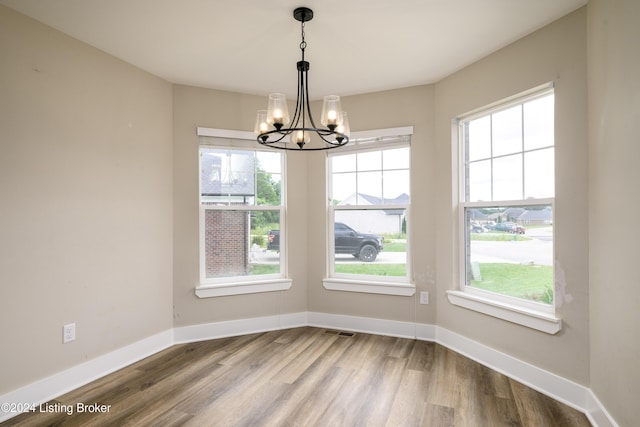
561	389
230	328
62	382
370	325
597	413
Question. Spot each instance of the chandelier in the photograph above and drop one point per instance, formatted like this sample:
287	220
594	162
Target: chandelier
274	127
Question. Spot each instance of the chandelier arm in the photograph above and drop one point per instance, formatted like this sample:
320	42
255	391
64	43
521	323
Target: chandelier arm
321	133
306	78
296	114
303	100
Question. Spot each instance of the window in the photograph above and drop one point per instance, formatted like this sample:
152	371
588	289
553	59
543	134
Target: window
369	197
506	202
241	208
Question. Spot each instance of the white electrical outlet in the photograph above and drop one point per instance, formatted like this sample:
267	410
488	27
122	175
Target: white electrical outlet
68	333
424	297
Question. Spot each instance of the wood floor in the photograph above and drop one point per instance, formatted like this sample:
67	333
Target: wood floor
306	377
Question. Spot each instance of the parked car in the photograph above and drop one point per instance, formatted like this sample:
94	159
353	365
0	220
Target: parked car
508	227
347	241
519	229
477	228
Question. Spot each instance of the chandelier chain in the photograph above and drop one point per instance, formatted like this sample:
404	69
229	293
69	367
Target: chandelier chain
303	44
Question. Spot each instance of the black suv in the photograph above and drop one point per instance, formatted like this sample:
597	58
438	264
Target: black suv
363	246
347	241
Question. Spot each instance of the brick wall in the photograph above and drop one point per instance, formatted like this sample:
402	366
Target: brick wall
226	246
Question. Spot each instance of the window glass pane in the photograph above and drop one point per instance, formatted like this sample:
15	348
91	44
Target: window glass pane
507	178
479	134
510	251
396	186
480	181
269	162
370	184
539	173
236	240
269	189
370	242
396	159
343	185
382	176
507	131
343	163
227	176
538	123
370	161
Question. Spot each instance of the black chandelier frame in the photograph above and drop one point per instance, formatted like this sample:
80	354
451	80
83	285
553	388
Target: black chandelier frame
329	135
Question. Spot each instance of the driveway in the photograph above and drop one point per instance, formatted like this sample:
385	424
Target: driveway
537	251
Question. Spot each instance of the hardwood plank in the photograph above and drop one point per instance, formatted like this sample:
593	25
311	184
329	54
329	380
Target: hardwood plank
307	377
537	409
408	406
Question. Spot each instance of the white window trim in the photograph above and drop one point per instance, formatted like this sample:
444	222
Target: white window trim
242	288
536	316
365	283
538	320
241	285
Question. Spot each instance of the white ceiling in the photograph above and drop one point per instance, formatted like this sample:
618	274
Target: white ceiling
252	46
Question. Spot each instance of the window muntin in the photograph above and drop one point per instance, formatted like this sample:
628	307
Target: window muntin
507	201
506	160
369	200
241	199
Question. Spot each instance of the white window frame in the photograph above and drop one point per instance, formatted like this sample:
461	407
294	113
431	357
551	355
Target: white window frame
239	285
372	140
534	315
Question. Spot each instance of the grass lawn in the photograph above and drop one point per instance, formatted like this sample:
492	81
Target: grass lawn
360	268
532	282
373	269
499	237
400	246
264	269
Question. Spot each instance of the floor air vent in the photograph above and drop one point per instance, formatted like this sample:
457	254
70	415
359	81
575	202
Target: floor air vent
339	333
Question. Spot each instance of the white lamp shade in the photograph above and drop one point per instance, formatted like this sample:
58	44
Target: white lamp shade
331	112
277	111
261	123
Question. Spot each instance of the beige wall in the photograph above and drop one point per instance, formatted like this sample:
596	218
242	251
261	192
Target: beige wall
195	107
85	201
614	176
556	53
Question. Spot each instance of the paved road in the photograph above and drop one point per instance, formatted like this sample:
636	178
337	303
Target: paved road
538	250
270	257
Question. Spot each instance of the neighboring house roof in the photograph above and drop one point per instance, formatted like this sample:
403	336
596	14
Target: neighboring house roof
374	200
536	215
512	213
476	215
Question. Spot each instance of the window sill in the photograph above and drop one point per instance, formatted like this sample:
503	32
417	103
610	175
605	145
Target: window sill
369	287
540	321
241	288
